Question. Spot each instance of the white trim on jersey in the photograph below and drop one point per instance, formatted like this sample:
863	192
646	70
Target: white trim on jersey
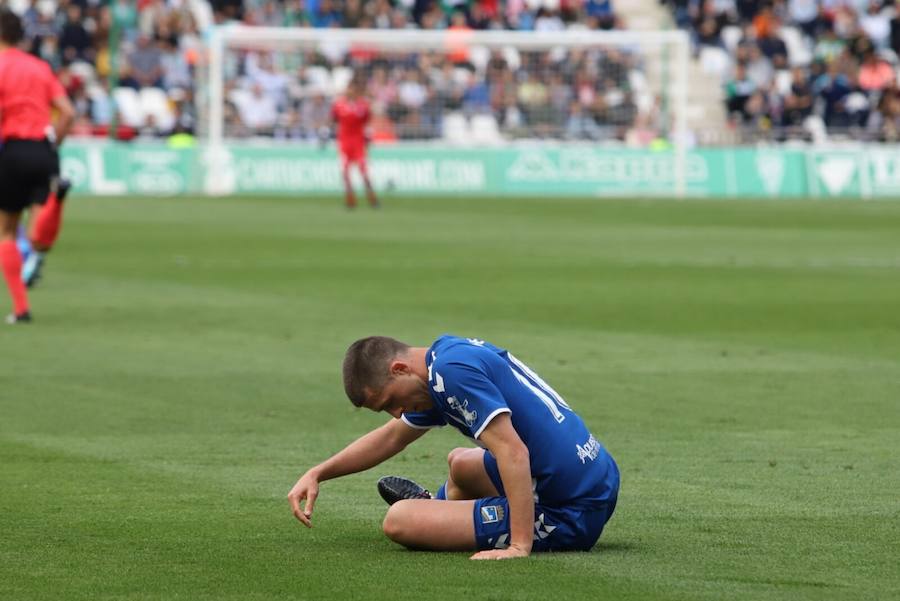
551	405
416	426
488	419
538	380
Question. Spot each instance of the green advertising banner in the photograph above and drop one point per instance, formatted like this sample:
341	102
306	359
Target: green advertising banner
105	168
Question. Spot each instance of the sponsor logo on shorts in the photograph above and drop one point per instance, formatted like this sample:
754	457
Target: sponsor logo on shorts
491	514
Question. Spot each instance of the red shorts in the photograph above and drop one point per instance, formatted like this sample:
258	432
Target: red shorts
353	154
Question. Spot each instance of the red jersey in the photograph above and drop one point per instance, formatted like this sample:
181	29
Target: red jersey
27	86
351	117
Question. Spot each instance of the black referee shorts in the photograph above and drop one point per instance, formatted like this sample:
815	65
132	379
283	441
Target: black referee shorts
26	169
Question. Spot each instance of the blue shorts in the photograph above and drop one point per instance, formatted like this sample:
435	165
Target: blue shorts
566	528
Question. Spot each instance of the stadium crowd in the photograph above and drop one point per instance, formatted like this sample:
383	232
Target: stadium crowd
153	77
789	68
799	68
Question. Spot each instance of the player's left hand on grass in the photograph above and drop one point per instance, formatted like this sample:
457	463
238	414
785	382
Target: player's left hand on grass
306	488
511	553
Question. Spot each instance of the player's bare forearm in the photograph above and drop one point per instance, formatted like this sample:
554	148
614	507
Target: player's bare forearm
363	453
515	471
367	451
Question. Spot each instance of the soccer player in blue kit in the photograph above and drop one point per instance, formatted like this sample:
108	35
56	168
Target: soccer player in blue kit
540	480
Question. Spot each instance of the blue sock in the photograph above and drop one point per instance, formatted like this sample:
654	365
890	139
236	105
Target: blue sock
441	494
22	242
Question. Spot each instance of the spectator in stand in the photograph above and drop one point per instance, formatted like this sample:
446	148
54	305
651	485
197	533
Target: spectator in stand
412	92
875	74
381	125
759	68
833	87
798	103
145	63
315	117
739	90
829	46
74	41
477	96
259	112
261	71
602	12
771	45
709	34
176	73
884	124
805	15
271	14
548	20
326	15
876	25
580	124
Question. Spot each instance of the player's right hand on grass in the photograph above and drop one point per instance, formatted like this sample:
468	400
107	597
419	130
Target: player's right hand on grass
306	489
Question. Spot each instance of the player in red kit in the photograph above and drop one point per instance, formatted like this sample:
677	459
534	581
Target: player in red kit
28	159
351	114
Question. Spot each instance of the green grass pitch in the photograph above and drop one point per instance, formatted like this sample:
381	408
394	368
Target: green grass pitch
739	359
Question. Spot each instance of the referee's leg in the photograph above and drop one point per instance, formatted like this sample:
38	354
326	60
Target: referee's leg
11	264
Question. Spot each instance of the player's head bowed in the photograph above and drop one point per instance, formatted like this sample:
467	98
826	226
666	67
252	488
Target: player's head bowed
367	366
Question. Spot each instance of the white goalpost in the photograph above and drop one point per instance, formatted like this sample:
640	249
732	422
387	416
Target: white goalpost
571	88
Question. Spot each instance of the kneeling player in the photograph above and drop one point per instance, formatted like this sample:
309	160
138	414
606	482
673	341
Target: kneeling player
351	115
541	482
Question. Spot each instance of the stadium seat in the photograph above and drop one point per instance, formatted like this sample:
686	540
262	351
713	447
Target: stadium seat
456	129
512	57
715	61
340	77
799	53
128	104
816	128
783	80
731	37
485	130
479	57
637	80
155	103
461	76
318	77
644	101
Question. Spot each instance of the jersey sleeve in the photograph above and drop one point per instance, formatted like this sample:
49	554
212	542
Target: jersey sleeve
472	397
54	88
424	420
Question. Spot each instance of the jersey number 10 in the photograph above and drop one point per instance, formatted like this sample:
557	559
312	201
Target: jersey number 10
536	384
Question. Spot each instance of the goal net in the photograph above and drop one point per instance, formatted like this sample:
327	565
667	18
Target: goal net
455	88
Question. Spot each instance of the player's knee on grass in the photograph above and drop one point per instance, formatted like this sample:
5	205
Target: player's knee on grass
398	525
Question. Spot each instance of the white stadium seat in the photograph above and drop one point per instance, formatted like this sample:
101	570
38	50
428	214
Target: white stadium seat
456	128
731	37
155	103
128	104
485	130
340	77
799	52
715	61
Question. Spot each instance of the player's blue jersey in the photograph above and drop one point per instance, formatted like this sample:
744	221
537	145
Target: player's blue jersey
472	382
